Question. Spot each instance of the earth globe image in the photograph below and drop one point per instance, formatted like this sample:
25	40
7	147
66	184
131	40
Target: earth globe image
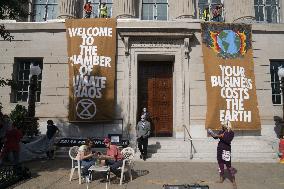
229	42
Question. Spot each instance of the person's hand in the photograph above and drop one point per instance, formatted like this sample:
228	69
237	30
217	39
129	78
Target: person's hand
99	156
222	135
94	154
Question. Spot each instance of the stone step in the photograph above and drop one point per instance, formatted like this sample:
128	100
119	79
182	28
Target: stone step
164	150
234	142
168	155
168	159
246	160
205	148
237	155
172	145
238	149
180	147
244	149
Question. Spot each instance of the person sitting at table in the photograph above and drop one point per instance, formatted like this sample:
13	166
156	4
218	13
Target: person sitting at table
113	157
86	156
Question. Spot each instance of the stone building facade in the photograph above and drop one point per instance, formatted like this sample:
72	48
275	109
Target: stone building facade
173	44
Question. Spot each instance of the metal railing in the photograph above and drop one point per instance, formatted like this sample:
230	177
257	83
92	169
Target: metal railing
192	148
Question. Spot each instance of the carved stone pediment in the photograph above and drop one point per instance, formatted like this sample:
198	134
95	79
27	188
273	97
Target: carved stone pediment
152	42
155	38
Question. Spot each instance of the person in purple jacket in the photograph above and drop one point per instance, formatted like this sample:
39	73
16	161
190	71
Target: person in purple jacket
224	150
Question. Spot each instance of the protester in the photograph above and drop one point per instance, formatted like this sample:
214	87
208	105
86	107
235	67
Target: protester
113	157
12	145
88	8
217	13
52	130
224	150
5	125
103	10
146	114
206	14
87	156
143	132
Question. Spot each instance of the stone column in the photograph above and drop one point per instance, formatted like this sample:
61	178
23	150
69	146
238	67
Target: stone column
281	2
69	8
239	11
124	8
184	9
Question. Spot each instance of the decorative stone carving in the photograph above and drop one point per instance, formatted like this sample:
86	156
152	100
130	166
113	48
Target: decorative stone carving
126	45
157	39
245	19
155	43
186	47
124	8
185	9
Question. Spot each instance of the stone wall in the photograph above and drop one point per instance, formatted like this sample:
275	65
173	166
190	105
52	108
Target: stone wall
48	40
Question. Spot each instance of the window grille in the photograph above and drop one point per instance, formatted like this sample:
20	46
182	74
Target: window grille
275	83
45	10
22	73
155	9
267	11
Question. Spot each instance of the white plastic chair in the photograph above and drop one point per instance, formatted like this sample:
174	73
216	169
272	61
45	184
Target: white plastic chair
128	155
73	151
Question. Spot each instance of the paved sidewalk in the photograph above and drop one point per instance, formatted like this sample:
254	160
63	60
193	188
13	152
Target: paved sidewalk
54	174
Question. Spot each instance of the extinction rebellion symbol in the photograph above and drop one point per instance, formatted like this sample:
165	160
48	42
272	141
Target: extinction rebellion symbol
86	109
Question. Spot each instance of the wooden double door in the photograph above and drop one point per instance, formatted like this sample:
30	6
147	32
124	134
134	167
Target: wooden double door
155	92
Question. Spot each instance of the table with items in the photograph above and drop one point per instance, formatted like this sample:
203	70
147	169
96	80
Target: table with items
100	168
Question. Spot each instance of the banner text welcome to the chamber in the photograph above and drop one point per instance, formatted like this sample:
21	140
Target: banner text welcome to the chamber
85	83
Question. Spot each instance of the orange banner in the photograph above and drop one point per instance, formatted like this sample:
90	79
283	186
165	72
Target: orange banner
229	74
91	46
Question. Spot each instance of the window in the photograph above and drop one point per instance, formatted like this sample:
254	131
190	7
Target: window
44	10
275	83
154	10
206	8
96	8
267	10
22	72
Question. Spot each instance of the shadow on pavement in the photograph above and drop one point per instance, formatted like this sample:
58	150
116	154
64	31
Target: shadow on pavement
139	173
153	148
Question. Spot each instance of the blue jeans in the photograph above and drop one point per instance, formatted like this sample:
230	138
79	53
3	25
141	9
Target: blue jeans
217	19
86	165
114	165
